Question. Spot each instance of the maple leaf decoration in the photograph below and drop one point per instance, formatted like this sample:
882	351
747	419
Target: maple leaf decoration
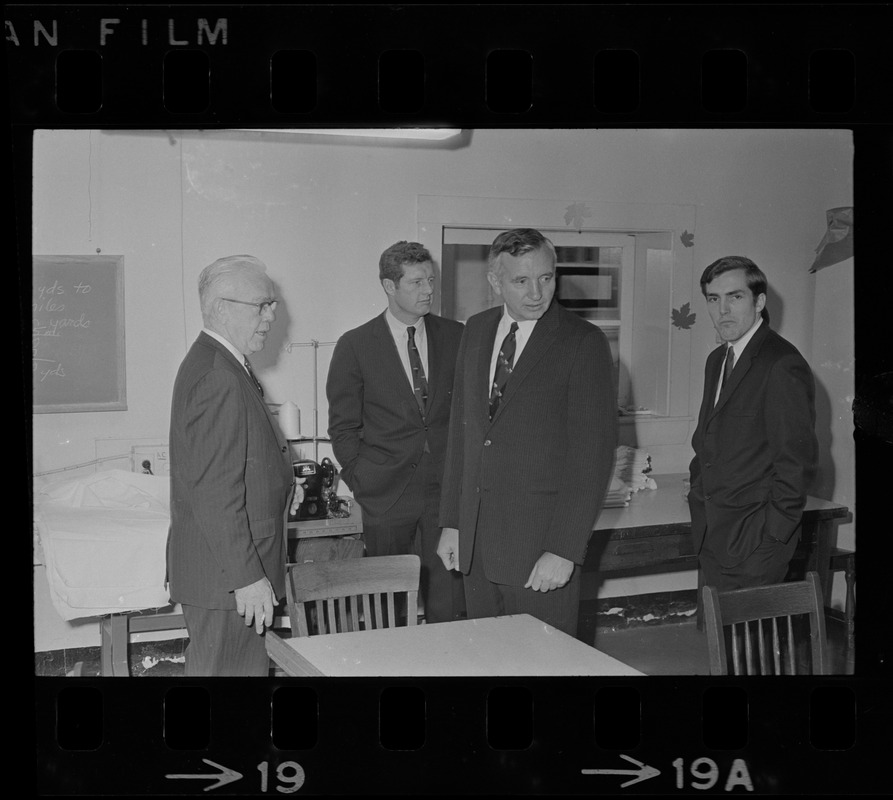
687	239
576	213
682	317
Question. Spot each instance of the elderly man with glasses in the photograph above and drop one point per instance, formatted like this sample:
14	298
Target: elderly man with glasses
231	478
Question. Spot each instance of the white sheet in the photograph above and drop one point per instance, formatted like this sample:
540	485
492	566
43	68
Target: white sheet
103	538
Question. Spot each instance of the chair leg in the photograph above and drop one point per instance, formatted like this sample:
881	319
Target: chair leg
850	607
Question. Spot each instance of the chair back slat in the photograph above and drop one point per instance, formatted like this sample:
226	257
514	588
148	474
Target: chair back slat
367	617
791	647
412	598
750	669
737	633
378	622
352	612
341	602
351	594
761	643
741	612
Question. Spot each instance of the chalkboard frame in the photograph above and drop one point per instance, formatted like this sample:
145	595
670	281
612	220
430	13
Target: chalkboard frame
41	264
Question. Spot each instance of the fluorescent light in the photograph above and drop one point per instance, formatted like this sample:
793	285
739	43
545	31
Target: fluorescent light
428	134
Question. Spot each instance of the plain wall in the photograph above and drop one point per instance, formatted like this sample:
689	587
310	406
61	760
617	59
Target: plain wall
319	211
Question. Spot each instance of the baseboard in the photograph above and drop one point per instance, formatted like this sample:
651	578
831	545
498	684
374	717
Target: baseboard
146	658
659	608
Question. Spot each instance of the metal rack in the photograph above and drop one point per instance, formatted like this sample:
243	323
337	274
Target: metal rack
316	438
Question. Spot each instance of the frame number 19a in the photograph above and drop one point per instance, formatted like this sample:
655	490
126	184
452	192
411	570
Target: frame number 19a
704	774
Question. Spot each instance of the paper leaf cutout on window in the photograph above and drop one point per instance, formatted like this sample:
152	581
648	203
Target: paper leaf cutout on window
575	213
682	318
687	239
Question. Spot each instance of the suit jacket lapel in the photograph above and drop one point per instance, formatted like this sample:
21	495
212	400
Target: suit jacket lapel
711	379
390	361
741	368
240	370
433	360
540	341
485	354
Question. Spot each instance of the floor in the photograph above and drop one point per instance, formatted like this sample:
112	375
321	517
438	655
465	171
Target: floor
681	649
656	640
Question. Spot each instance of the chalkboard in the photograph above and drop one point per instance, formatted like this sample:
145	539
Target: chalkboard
77	341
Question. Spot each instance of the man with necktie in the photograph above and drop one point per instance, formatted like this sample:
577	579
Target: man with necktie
755	445
231	478
533	433
389	387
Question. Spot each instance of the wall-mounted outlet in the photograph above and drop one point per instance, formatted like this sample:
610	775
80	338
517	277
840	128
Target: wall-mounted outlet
151	459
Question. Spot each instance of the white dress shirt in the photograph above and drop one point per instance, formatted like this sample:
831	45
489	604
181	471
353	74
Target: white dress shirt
401	339
738	347
240	357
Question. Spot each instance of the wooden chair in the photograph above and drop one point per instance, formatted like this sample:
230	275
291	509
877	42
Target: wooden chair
352	594
764	618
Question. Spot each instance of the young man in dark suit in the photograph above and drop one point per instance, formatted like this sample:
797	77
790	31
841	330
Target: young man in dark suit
755	445
231	479
533	433
389	387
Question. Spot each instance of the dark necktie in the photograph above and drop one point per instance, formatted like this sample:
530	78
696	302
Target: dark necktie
254	377
419	382
504	363
728	366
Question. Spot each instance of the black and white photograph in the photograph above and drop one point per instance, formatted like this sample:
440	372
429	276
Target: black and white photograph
443	402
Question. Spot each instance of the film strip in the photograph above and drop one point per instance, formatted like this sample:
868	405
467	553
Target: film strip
471	67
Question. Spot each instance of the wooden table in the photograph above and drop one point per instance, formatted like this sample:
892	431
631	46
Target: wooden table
653	534
329	526
516	645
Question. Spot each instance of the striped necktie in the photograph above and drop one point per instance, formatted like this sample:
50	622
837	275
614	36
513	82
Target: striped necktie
419	382
504	364
254	377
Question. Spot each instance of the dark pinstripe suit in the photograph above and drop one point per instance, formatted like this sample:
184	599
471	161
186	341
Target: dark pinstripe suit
534	479
390	457
230	482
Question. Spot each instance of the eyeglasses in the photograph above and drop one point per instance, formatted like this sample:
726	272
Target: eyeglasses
267	305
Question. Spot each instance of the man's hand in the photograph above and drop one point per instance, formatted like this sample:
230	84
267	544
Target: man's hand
256	602
298	497
448	548
550	572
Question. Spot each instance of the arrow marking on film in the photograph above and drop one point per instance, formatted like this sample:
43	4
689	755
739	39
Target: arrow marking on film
224	777
643	773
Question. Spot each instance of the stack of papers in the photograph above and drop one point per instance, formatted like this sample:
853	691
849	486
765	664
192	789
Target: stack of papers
618	494
631	468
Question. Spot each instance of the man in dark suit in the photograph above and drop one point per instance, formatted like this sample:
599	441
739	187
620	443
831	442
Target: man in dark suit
755	445
532	442
389	409
230	479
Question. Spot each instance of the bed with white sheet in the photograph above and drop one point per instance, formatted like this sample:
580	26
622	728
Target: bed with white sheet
103	539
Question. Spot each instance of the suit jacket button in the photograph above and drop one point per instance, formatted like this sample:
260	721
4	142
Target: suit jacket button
487	443
413	466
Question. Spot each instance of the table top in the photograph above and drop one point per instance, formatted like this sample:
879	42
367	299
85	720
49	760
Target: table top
667	506
516	645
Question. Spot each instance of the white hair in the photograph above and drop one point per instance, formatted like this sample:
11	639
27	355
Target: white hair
220	274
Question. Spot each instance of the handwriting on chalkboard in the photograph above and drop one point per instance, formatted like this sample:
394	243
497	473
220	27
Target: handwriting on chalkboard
51	301
77	333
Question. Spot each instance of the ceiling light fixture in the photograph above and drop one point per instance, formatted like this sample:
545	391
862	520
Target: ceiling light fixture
427	134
